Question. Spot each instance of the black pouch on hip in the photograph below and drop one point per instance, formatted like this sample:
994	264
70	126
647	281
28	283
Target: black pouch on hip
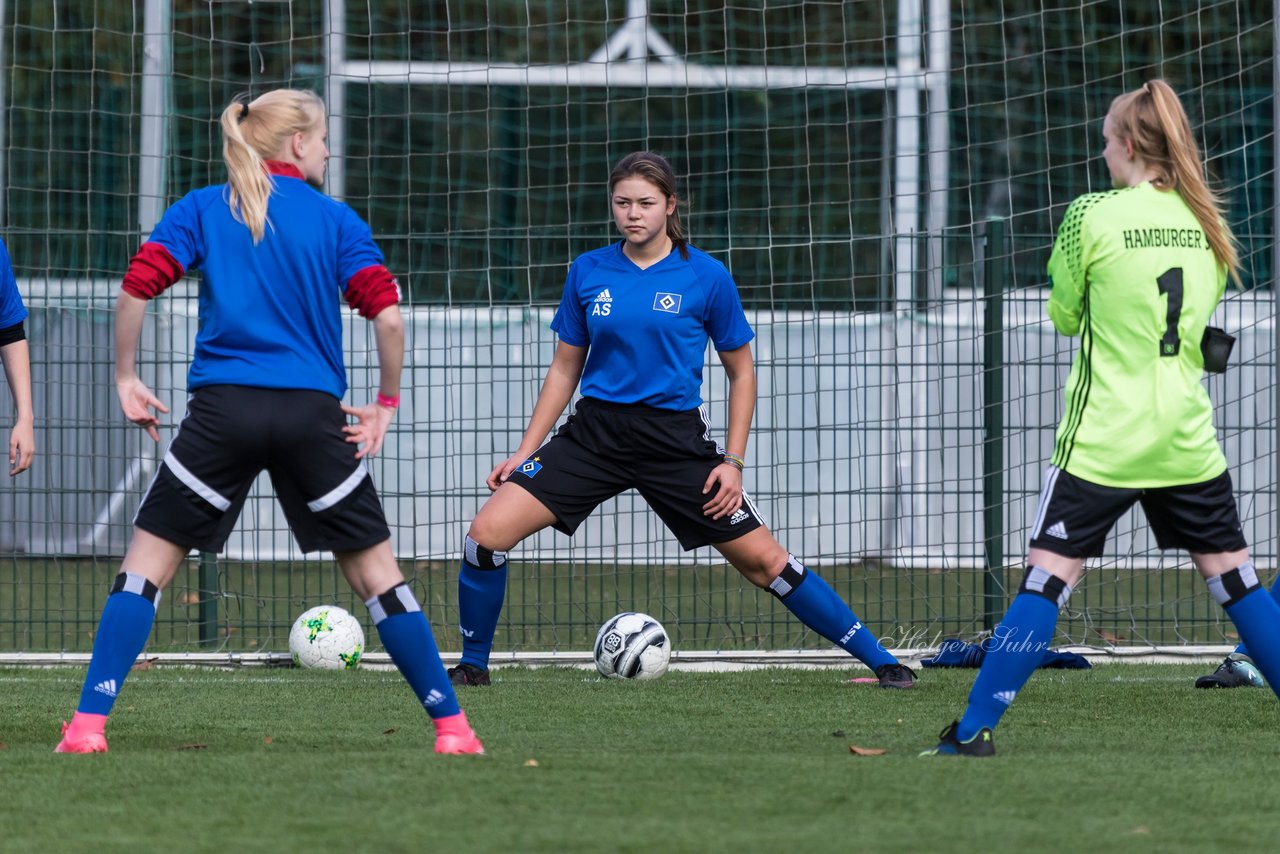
1215	347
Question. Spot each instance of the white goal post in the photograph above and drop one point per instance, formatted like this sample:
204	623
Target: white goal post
636	55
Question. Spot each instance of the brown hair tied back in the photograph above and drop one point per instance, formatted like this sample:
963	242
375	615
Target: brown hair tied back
655	169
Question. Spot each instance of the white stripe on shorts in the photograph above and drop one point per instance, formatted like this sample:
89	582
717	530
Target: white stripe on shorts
706	425
1050	479
341	491
195	484
750	504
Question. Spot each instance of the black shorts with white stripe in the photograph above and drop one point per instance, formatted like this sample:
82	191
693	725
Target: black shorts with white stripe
229	436
1075	515
606	448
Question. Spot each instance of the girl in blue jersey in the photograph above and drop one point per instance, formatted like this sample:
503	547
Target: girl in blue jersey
16	357
633	325
266	387
1141	311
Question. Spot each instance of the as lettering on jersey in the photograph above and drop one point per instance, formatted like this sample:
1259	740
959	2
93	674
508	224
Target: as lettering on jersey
602	304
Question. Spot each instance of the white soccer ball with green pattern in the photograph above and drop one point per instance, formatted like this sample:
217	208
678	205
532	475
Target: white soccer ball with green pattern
632	646
327	637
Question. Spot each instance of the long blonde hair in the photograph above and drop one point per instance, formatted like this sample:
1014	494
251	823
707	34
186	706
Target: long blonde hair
254	131
1153	119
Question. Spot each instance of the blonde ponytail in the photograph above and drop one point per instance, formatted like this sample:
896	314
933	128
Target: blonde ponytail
1153	118
254	131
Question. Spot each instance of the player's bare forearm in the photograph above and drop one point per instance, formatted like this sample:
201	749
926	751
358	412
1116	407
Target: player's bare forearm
740	369
130	313
136	400
16	356
388	333
557	389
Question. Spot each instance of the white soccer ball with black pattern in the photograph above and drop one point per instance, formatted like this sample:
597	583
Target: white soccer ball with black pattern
327	637
632	646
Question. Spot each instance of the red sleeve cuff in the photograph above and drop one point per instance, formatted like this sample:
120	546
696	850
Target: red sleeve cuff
371	290
151	271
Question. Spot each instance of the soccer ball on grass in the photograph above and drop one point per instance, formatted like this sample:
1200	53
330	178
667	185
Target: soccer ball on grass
632	646
327	637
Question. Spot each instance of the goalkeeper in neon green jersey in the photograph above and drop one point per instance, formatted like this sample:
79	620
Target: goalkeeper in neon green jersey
1136	273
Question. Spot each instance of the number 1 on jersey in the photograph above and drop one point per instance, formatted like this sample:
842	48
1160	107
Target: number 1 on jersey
1170	284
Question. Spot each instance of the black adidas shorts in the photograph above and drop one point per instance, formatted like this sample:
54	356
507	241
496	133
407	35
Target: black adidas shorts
606	448
229	436
1075	515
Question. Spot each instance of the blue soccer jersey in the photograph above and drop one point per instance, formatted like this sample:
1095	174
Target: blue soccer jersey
12	309
269	314
647	329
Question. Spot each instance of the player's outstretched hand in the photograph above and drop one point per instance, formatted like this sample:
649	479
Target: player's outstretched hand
137	401
370	428
503	470
728	494
22	446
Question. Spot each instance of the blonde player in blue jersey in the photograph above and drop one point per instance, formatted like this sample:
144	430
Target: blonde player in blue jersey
266	386
1137	272
633	325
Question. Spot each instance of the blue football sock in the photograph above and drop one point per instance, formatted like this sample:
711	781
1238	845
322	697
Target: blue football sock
1275	596
820	608
406	635
1014	651
122	633
1256	615
482	585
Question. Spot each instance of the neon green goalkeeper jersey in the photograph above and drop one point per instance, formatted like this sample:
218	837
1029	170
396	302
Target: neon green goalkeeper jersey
1134	277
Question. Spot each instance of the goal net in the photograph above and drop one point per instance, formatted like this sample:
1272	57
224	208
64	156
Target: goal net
883	180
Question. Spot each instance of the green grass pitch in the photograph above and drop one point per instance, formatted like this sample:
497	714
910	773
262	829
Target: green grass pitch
1119	758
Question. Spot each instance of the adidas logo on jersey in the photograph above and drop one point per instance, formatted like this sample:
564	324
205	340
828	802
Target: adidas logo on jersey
1057	529
107	687
1005	697
739	515
602	304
